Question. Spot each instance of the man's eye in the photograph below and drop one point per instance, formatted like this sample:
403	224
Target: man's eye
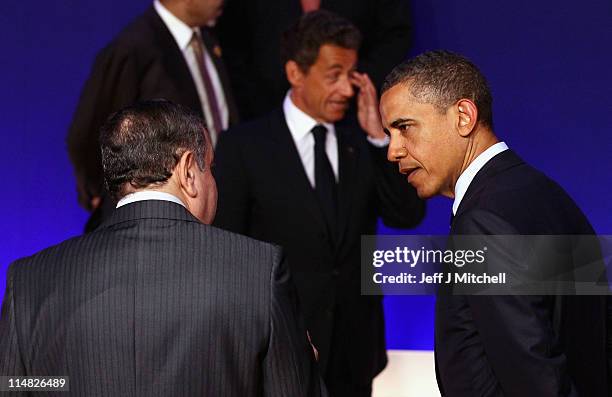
403	127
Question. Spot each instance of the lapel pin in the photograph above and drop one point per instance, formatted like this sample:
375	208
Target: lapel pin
217	51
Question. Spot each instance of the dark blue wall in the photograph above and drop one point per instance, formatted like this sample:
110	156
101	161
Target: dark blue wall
548	64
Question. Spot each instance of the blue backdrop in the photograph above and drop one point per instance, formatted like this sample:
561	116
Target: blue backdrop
548	64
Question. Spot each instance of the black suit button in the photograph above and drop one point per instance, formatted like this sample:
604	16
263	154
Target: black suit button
335	272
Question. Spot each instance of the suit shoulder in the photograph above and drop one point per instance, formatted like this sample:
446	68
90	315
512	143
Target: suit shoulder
241	239
137	38
235	244
255	130
530	201
44	256
522	182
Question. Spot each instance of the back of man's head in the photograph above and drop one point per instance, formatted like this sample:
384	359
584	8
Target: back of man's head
441	78
302	41
142	144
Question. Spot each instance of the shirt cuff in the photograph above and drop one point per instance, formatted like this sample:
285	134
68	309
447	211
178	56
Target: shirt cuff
379	142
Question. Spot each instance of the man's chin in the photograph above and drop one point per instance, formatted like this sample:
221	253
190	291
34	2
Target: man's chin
423	192
333	116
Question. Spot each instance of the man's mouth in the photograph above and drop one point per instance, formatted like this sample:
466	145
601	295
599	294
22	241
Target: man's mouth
339	104
409	171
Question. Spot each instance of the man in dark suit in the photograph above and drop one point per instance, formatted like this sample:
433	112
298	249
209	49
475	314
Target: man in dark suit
313	182
250	32
168	52
437	110
156	302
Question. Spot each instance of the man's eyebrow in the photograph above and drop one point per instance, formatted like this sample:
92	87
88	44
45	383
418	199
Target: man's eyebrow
397	122
335	66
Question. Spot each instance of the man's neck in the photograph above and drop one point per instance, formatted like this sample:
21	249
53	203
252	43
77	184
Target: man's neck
481	141
177	9
298	103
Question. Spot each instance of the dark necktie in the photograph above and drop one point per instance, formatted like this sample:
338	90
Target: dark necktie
325	181
211	96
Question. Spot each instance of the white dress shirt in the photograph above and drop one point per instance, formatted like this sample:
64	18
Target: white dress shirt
182	34
466	177
300	125
148	195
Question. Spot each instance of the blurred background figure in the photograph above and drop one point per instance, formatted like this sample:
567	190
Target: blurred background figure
167	52
250	32
313	180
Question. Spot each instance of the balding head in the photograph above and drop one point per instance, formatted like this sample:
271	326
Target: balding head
158	145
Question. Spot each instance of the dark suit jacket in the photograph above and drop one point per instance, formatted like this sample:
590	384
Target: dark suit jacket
519	345
142	62
250	32
154	303
264	193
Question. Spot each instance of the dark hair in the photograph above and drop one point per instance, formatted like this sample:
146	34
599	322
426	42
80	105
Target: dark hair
142	144
302	41
442	78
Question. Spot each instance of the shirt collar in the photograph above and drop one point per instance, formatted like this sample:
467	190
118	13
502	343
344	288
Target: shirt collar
181	32
300	124
144	195
466	177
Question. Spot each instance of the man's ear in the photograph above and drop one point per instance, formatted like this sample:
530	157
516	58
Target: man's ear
295	76
467	116
186	174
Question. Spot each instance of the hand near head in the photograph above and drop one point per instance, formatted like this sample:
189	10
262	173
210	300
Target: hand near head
367	106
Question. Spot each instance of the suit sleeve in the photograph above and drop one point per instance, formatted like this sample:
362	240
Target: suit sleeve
388	41
516	331
112	85
397	201
290	368
11	362
232	185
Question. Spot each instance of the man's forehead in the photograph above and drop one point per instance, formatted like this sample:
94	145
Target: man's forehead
402	90
332	56
396	98
398	102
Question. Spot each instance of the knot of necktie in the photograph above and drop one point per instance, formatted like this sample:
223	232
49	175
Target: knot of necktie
319	132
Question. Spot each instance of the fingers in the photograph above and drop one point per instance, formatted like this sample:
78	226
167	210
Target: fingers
366	87
367	100
363	82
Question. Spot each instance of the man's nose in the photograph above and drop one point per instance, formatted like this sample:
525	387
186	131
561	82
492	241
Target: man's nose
396	151
346	88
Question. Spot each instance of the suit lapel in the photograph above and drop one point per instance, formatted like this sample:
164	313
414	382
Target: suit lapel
175	64
348	153
214	50
283	148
